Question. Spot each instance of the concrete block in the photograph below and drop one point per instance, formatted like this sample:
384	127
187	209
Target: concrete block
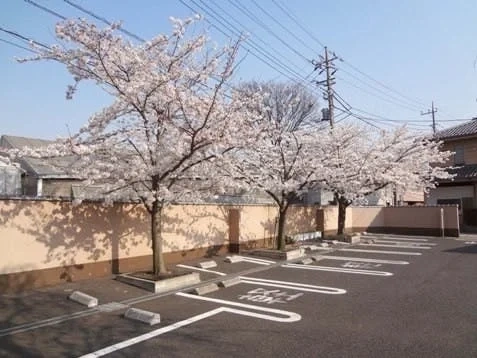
305	261
229	282
205	289
165	285
84	299
233	259
147	317
207	264
294	254
317	258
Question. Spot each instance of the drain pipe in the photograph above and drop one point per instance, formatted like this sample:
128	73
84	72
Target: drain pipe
442	223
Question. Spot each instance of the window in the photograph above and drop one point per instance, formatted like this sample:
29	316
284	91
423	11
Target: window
459	154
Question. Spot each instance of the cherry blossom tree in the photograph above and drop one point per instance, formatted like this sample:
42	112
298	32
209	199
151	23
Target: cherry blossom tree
170	119
359	162
280	160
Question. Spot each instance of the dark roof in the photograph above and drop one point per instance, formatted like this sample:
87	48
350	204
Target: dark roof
463	130
41	167
464	172
10	141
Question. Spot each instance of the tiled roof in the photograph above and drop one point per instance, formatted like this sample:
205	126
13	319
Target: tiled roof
464	172
41	167
463	130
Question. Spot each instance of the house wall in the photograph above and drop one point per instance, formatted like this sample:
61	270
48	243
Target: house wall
45	242
57	188
470	150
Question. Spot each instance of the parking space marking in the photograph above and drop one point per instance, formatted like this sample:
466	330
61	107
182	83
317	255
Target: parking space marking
383	252
392	238
293	285
405	242
400	246
288	318
339	269
256	260
201	269
362	259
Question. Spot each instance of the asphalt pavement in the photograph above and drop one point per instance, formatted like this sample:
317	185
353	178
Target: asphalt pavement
397	296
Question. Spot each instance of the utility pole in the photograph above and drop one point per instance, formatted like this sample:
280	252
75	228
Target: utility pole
325	64
431	111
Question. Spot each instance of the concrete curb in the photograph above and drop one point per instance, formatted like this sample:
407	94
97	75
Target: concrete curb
163	285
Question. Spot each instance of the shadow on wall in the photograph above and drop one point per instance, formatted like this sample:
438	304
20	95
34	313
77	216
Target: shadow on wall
72	236
301	219
191	230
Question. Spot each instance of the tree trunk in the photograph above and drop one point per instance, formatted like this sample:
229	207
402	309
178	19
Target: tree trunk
342	205
281	227
156	237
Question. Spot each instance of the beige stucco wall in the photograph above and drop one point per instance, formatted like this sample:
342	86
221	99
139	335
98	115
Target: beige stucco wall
330	218
367	216
414	217
46	234
421	217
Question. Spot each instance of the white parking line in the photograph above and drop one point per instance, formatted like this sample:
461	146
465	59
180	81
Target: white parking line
339	269
256	260
201	269
391	238
289	317
362	259
399	246
383	252
405	242
293	285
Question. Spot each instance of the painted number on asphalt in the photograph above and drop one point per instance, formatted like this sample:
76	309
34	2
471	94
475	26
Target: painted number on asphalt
269	296
360	265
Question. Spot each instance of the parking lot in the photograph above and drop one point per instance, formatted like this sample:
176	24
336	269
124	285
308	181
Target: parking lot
395	296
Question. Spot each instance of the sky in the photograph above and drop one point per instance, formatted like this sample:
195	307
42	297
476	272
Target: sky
394	57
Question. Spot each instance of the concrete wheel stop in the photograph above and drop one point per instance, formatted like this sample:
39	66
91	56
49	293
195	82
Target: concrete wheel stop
83	299
290	254
164	285
147	317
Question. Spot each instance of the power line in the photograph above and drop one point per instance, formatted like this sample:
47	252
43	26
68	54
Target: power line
22	37
292	74
376	95
282	26
17	45
102	19
293	17
280	54
289	13
394	98
52	12
419	102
